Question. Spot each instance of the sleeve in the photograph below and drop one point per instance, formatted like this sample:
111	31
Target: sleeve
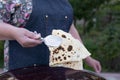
15	12
5	11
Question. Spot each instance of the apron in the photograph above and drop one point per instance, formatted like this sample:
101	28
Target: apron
46	16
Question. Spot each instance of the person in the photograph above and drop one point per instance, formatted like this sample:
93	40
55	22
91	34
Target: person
21	18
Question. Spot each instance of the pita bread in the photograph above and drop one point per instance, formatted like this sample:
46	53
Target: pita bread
70	51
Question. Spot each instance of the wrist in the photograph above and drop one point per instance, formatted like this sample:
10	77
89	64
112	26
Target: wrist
13	33
87	58
7	31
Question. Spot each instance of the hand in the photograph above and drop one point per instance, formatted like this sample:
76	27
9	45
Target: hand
93	63
26	38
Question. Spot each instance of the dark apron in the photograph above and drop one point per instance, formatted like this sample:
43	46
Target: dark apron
46	16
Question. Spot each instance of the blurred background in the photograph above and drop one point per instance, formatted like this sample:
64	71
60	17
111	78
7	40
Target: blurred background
98	23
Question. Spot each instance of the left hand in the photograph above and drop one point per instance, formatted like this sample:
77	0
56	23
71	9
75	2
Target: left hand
94	64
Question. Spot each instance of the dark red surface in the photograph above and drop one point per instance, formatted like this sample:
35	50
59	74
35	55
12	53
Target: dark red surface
49	73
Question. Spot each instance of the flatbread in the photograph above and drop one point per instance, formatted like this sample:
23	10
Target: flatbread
71	51
77	65
11	78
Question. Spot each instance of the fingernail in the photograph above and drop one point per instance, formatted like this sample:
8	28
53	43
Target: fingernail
35	32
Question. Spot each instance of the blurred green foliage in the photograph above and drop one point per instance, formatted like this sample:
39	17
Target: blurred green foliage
105	47
86	9
103	38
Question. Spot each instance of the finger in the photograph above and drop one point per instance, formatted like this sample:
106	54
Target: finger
34	41
30	35
31	43
35	32
38	36
98	68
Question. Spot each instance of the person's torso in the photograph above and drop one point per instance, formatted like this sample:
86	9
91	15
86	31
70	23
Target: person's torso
46	15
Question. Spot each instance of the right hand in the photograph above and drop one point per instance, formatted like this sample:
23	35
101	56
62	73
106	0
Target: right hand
26	38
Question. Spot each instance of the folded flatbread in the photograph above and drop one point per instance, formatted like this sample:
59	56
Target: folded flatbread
70	53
